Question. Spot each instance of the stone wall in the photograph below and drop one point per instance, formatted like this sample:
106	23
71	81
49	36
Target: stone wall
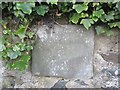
105	70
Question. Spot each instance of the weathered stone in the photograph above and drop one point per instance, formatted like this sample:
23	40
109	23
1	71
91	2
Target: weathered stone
8	82
73	84
2	68
1	73
117	72
60	84
80	82
105	44
63	51
111	57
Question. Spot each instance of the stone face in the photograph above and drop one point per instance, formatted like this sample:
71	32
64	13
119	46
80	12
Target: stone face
63	51
111	57
105	44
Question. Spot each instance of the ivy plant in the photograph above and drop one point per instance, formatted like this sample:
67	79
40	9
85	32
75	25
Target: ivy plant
16	43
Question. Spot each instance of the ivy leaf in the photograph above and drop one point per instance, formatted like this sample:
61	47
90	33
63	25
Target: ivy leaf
22	46
114	24
52	1
26	7
109	33
118	5
2	47
21	32
41	10
21	64
109	17
12	54
29	48
25	58
30	34
94	18
75	18
87	23
103	19
16	48
83	15
18	13
100	30
98	13
80	7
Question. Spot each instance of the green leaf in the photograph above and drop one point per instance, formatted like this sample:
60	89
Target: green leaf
16	48
95	4
21	32
103	19
22	46
75	18
26	7
114	24
87	23
19	65
118	5
29	48
2	47
41	10
52	1
109	33
100	30
22	63
109	17
98	13
18	13
83	15
94	18
25	58
13	54
80	7
30	34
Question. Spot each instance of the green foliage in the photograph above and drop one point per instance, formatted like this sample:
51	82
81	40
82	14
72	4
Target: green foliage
21	32
103	30
41	10
26	7
115	24
80	7
52	1
87	23
16	43
13	48
75	18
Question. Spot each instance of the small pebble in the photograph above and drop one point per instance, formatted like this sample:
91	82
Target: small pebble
117	72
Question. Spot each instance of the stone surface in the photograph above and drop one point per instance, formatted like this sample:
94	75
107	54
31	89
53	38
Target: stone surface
104	44
8	82
1	73
106	61
60	84
63	51
1	64
111	57
105	72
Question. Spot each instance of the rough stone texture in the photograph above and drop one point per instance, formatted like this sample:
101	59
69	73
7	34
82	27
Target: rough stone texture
106	61
67	52
1	73
106	72
1	67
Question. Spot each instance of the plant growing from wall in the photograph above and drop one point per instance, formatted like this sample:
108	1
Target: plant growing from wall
16	43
